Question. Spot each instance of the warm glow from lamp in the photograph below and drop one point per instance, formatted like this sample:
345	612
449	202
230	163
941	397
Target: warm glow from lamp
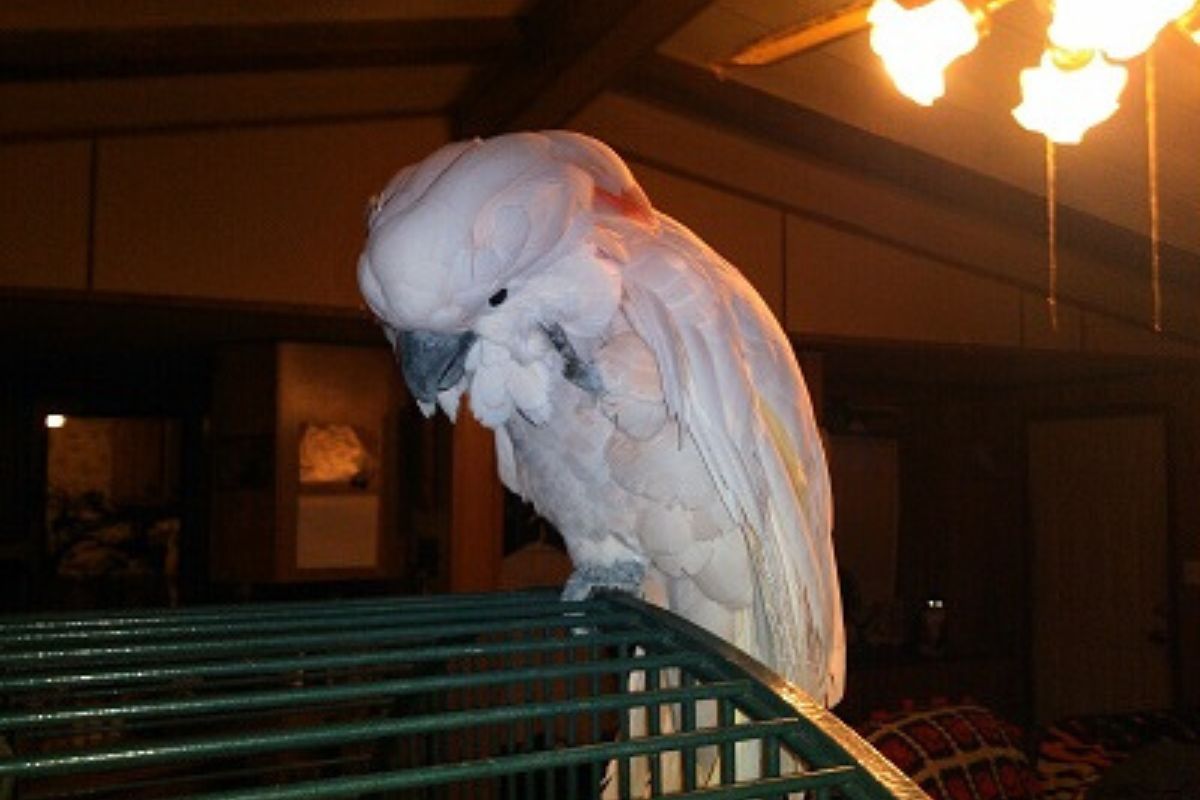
917	44
1122	29
55	420
1189	23
1068	93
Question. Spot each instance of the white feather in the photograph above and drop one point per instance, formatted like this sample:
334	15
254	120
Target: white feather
448	401
529	387
730	377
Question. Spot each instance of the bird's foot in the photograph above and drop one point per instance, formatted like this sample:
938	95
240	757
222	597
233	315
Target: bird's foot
624	576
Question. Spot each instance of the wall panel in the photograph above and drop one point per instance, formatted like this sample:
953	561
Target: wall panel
270	215
44	191
845	286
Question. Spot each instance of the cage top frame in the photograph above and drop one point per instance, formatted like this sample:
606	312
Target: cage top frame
62	671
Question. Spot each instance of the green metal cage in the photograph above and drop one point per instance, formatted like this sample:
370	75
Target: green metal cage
491	696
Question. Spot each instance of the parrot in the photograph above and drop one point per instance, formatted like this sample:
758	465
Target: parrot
642	395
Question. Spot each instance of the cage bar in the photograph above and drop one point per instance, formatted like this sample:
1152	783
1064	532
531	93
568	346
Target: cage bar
514	695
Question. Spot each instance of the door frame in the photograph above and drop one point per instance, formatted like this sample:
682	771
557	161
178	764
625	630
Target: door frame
110	384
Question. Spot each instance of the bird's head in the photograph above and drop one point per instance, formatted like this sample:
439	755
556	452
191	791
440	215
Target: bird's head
484	253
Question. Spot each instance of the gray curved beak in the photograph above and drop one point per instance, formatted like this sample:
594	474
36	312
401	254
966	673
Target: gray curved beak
432	362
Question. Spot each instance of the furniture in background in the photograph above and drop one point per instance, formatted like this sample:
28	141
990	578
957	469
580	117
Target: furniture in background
965	750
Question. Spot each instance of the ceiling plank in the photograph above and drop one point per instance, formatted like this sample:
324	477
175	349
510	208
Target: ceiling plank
574	50
759	115
32	55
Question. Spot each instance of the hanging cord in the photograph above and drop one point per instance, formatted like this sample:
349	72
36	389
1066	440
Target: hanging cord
1152	178
1051	236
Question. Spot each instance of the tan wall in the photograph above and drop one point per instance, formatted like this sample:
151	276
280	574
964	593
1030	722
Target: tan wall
266	215
270	215
845	286
44	212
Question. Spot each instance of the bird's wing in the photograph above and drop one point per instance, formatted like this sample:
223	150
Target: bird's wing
730	378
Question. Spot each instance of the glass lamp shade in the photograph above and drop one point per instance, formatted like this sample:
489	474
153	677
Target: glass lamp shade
1189	23
1122	29
1062	99
917	44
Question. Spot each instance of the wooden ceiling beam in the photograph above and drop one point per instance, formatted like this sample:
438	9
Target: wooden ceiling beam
31	55
574	50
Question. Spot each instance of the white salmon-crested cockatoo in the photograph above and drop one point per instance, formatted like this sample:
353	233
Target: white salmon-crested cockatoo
642	395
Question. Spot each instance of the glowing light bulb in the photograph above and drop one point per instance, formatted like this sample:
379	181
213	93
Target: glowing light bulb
55	420
916	45
1066	94
1122	29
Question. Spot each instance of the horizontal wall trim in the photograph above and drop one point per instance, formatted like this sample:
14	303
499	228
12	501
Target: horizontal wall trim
23	312
184	129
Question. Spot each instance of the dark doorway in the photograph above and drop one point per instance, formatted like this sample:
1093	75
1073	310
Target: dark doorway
113	511
107	510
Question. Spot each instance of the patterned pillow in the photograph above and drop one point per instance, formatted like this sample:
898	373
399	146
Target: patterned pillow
1074	753
961	752
1067	764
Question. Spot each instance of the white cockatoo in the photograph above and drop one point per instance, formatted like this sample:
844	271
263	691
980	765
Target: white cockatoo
642	395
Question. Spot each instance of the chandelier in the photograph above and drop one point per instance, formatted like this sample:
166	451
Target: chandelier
1075	85
1078	81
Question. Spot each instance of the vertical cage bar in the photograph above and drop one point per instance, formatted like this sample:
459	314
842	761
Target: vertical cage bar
594	733
725	719
654	727
623	763
687	724
572	725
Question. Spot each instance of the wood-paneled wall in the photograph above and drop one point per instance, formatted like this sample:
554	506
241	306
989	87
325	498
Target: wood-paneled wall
45	207
270	215
266	215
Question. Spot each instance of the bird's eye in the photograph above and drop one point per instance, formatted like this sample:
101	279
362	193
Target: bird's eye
498	298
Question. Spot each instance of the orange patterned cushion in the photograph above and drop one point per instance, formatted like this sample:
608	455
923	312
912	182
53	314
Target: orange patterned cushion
961	752
1076	752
